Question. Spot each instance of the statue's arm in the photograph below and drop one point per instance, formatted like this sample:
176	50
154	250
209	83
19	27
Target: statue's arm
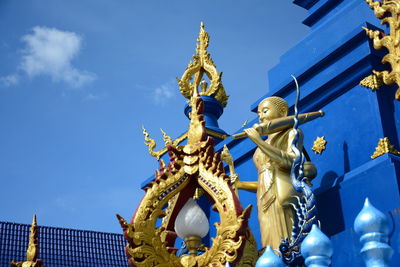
248	186
283	157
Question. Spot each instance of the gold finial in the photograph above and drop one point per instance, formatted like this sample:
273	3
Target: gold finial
32	252
319	145
389	12
384	146
151	143
167	138
33	247
202	63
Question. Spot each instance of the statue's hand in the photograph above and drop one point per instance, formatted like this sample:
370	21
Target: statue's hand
254	135
258	128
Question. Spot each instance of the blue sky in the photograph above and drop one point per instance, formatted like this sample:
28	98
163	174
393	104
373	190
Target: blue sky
79	78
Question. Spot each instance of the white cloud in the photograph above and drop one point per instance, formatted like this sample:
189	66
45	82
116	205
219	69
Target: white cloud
164	93
93	97
9	80
50	51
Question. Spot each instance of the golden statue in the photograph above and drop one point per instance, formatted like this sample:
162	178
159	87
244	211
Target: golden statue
273	160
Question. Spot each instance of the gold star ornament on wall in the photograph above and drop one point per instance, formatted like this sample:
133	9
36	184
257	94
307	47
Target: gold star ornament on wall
319	145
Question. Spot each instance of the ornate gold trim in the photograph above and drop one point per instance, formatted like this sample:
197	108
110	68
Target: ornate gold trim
192	165
389	12
319	145
202	63
384	147
32	252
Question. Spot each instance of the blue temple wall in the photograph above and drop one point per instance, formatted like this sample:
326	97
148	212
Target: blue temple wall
329	63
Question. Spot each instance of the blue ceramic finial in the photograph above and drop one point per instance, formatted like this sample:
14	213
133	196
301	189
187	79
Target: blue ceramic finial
269	259
373	227
316	248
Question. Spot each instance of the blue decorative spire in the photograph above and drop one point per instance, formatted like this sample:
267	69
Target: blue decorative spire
269	259
372	225
316	248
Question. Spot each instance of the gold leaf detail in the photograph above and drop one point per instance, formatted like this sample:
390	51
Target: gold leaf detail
384	147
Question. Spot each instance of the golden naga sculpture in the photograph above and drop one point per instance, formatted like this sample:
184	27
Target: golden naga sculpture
384	147
32	252
389	12
151	143
191	166
273	160
202	63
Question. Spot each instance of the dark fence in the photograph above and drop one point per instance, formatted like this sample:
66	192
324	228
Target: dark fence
61	247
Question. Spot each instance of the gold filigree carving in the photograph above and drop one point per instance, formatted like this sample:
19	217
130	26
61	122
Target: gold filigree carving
319	145
389	12
191	165
32	252
384	146
202	63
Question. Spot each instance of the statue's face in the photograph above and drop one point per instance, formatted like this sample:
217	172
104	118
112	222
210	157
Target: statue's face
267	111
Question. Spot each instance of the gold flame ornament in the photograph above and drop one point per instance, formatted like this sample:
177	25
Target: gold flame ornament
191	166
202	63
32	252
151	143
389	12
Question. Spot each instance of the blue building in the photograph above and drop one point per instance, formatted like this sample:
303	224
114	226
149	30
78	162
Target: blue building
329	64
